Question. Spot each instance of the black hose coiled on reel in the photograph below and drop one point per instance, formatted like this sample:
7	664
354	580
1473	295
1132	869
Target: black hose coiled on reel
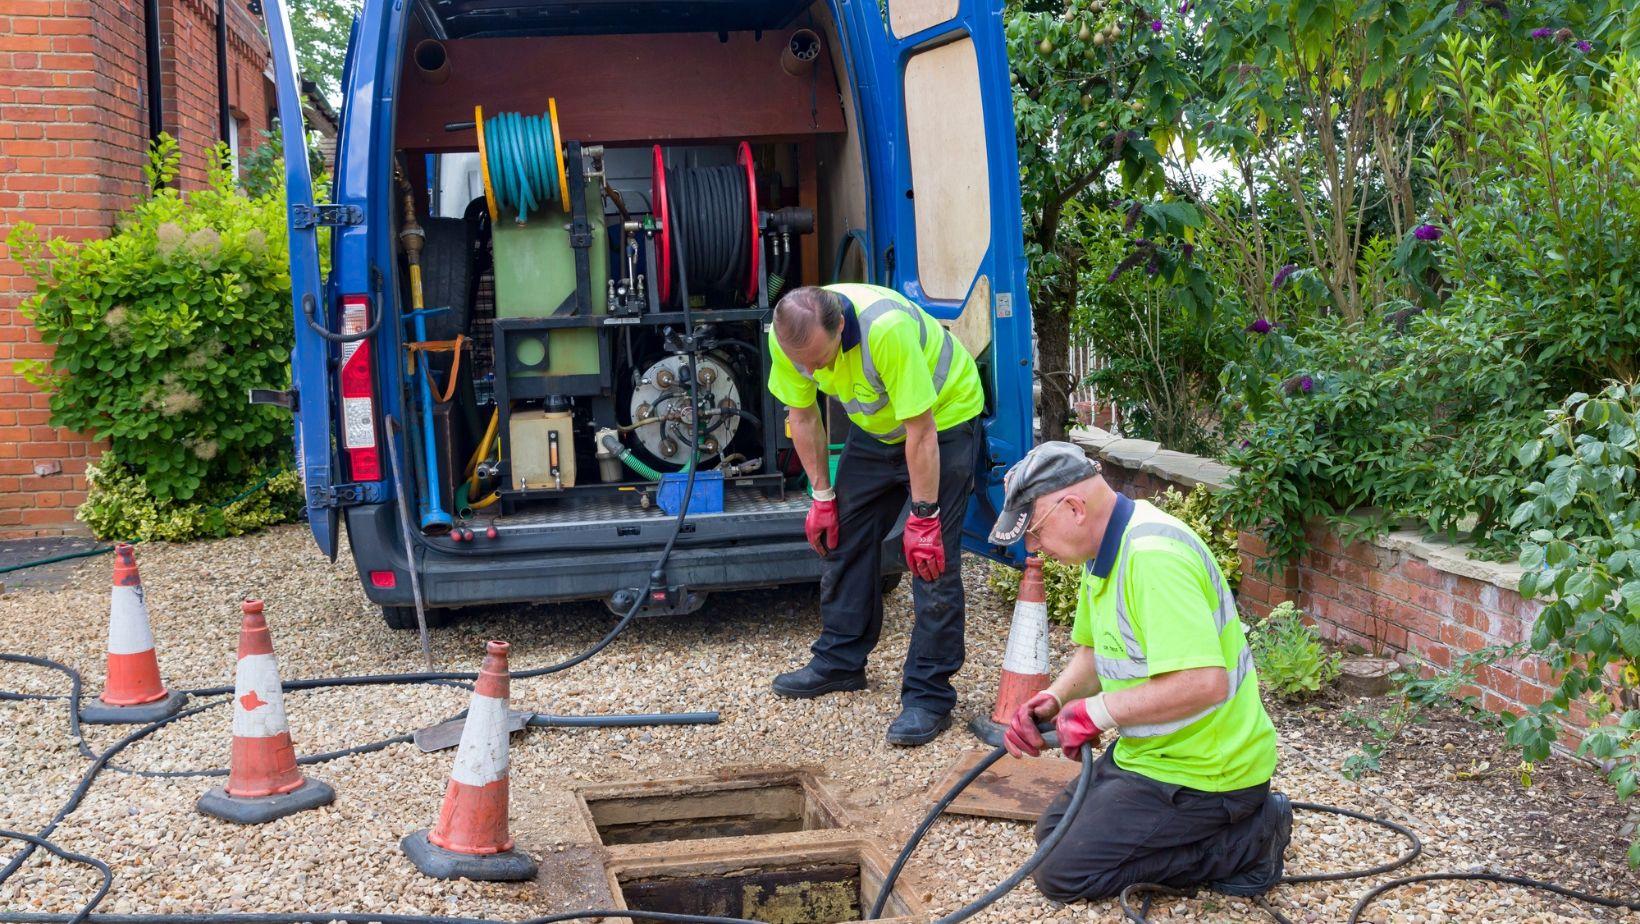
710	208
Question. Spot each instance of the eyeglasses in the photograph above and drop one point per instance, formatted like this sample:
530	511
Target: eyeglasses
1043	519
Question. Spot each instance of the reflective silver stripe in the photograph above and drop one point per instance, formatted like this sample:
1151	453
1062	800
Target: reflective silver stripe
864	407
1242	670
1135	666
942	366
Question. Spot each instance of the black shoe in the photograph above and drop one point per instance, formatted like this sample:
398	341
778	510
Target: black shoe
807	682
1265	874
915	727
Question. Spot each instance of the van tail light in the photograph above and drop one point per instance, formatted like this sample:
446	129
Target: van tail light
359	394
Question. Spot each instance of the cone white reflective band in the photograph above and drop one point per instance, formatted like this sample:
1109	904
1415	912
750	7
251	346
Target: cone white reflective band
128	631
482	758
258	703
1027	651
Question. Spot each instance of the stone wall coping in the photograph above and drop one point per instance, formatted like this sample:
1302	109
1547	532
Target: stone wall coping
1188	471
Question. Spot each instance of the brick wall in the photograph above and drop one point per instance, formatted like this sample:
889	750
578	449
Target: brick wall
1400	595
73	138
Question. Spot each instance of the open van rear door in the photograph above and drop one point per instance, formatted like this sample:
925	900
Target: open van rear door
938	127
310	356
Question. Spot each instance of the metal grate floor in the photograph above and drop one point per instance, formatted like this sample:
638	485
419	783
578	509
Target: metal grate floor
584	511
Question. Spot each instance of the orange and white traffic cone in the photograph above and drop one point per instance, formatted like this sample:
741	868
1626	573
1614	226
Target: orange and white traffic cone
470	840
133	691
1025	661
263	781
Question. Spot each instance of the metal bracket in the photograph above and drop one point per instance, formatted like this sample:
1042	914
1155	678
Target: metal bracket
286	398
336	495
329	215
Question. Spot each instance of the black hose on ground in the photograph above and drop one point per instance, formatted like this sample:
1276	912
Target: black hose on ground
101	762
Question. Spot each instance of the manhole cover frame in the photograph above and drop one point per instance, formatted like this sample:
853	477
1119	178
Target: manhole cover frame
826	812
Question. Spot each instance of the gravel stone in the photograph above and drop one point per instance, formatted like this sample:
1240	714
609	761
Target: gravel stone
167	858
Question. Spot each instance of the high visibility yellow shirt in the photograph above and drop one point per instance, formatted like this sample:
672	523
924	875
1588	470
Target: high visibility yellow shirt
1152	602
896	362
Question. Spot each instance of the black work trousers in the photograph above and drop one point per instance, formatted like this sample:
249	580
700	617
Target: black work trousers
873	490
1135	829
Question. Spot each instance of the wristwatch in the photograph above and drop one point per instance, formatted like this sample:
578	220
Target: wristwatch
923	509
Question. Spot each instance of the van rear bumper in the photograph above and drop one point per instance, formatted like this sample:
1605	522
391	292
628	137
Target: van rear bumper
484	572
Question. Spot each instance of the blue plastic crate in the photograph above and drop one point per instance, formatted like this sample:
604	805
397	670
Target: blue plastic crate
707	496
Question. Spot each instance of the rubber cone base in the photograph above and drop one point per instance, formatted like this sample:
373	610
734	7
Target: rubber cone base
435	861
98	712
262	809
991	732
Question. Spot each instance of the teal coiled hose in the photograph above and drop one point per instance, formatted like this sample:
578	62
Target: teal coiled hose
522	156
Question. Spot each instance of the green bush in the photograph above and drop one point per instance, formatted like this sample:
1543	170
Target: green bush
120	505
1528	285
1582	552
1289	656
161	328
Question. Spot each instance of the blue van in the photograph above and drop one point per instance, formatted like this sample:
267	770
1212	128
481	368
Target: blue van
555	231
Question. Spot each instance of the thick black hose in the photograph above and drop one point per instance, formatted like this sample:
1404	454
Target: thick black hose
711	217
540	720
1361	904
96	864
1084	780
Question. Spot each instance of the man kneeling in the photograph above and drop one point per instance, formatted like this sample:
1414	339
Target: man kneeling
1183	797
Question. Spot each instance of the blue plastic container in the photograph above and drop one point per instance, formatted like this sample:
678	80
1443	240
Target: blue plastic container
707	496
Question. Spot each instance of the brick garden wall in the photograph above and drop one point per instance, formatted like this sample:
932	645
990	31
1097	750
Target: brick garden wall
73	138
1400	595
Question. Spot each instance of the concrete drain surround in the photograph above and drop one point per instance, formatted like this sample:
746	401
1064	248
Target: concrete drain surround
811	884
767	844
769	802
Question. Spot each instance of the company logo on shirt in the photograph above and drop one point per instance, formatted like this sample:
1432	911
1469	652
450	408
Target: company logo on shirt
864	392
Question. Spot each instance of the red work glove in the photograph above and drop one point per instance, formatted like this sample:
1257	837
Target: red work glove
821	526
924	547
1076	728
1022	738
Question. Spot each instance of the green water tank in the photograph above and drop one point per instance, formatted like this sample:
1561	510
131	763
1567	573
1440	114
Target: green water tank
535	273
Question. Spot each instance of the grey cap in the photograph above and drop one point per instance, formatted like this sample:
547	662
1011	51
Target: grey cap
1044	470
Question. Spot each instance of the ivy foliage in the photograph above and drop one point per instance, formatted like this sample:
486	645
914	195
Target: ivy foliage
161	328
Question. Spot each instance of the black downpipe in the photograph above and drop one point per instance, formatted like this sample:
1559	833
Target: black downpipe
224	117
156	88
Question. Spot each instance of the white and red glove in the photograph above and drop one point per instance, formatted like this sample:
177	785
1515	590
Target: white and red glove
1083	721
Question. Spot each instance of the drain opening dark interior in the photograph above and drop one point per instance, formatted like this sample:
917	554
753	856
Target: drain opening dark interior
767	808
821	892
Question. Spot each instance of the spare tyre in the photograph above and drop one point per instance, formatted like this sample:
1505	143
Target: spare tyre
447	276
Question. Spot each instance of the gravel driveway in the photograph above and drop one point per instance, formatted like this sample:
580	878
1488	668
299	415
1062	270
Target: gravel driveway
168	858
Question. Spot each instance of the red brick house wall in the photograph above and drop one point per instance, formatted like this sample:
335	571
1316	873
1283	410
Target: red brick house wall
73	139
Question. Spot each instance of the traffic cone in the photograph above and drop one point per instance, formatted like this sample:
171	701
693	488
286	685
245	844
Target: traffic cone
133	691
470	840
1025	661
263	782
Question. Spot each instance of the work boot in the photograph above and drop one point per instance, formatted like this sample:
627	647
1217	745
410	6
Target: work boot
1265	874
915	727
808	681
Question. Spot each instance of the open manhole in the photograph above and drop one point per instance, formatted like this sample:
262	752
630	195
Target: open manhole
806	886
776	802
